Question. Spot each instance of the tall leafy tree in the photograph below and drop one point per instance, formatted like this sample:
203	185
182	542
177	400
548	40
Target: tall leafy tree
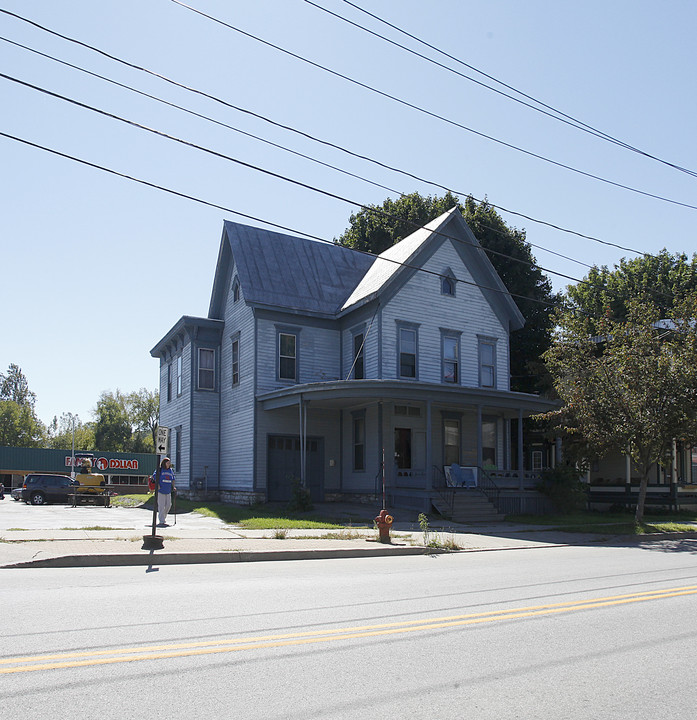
112	430
661	280
14	386
632	386
18	422
60	433
144	411
19	426
379	227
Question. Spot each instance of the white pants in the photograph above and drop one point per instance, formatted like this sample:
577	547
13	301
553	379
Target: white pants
164	503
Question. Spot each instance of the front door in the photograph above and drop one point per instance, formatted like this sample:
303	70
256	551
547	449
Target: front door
283	465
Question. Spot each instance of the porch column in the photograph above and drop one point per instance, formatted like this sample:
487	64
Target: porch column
674	454
479	437
521	454
557	451
627	469
429	447
302	410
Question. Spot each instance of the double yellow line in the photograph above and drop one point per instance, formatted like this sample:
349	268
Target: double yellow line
58	661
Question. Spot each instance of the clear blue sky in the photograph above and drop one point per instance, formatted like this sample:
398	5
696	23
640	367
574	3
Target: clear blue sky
96	269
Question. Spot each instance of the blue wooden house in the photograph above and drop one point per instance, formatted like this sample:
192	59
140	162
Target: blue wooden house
317	362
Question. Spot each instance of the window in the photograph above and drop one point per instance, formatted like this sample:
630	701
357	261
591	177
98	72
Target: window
206	369
487	362
178	449
407	410
179	376
451	442
402	448
287	356
537	460
358	369
169	382
236	361
489	442
235	290
359	441
407	337
450	350
447	283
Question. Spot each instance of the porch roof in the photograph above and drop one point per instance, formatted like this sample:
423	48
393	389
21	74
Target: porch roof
347	393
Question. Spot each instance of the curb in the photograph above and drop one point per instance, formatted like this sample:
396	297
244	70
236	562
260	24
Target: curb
232	556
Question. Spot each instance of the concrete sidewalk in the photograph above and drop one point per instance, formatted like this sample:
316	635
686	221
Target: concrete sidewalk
114	536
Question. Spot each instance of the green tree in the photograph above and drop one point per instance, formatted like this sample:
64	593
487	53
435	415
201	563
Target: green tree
379	227
112	429
19	426
632	387
661	280
144	412
15	386
60	434
127	422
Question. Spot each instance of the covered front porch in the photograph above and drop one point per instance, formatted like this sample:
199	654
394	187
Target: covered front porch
396	438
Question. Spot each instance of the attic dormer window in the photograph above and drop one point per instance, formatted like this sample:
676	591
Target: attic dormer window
235	290
447	283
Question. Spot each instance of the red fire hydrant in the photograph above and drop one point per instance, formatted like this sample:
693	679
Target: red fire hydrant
384	523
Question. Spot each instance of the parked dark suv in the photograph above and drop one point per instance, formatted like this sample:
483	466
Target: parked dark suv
39	489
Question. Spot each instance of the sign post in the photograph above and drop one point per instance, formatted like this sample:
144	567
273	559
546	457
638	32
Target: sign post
153	541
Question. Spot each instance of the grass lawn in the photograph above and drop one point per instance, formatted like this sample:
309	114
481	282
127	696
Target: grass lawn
252	518
616	523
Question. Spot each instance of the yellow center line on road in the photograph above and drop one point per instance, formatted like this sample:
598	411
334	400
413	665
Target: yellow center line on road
157	652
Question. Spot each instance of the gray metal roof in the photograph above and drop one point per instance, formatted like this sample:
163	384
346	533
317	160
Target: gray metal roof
291	272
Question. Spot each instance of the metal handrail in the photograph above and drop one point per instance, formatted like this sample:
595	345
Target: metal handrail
489	487
446	494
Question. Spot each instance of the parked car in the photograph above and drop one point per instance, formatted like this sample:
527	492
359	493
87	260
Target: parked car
17	493
39	489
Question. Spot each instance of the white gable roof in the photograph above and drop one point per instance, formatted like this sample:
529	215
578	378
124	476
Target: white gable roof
390	262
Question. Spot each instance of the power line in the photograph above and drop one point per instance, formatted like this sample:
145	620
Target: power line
250	166
316	139
560	116
260	139
197	114
430	113
266	222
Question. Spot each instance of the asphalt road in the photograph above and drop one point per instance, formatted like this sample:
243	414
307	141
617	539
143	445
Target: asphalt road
574	632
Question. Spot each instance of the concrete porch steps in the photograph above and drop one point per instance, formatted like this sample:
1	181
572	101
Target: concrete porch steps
469	506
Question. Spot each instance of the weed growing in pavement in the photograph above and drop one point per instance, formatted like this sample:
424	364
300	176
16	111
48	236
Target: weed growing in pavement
280	533
423	524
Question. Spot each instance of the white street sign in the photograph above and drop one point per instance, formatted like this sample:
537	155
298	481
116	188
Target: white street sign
162	440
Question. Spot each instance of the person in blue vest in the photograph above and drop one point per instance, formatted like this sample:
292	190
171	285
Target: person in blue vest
165	490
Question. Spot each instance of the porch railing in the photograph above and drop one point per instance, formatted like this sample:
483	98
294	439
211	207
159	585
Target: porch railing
445	493
489	487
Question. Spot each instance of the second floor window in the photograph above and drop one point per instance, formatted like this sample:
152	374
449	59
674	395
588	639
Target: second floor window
179	375
287	356
235	361
169	382
407	353
487	363
206	369
450	359
358	369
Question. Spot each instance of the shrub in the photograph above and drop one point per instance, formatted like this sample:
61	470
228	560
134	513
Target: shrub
300	501
562	485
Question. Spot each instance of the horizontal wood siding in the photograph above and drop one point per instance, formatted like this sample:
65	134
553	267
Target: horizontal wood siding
420	301
237	402
205	437
176	413
317	353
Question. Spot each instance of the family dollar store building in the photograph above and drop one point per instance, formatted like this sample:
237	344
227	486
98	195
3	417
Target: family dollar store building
127	472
